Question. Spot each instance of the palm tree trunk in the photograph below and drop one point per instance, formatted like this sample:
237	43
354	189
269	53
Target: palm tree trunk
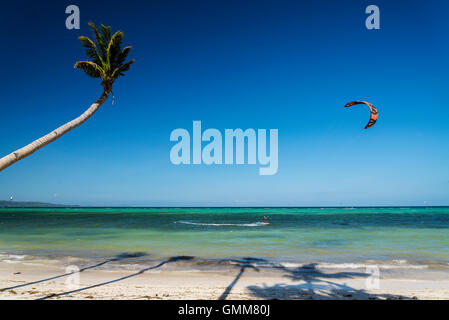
21	153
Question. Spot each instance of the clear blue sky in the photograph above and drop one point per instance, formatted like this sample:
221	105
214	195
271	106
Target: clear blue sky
288	65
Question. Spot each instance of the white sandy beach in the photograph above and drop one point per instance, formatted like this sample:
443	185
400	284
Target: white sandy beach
238	282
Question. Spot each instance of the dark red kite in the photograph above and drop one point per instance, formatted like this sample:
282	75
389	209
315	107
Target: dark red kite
373	109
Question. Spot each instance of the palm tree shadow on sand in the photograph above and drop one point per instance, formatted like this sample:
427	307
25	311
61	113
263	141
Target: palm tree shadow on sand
315	283
121	256
169	260
244	264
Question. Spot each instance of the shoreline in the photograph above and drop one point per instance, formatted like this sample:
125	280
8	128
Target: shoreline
177	278
135	260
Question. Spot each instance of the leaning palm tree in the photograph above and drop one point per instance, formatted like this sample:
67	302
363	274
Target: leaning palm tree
107	62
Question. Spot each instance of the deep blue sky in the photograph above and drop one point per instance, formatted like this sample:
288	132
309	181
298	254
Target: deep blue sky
289	65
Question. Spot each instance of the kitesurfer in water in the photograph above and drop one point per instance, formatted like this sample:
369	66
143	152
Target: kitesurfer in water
265	219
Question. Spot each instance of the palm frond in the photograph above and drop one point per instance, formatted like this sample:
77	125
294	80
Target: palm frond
106	33
123	55
99	39
90	68
114	48
119	71
91	49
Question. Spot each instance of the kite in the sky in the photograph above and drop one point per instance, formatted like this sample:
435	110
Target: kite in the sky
373	109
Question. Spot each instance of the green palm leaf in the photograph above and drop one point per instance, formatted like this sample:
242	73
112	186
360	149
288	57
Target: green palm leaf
123	55
119	71
91	49
90	68
114	48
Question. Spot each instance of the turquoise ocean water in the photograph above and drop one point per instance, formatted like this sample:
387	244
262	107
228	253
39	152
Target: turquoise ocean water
294	235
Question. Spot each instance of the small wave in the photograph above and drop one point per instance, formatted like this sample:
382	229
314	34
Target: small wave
11	256
393	265
254	224
343	266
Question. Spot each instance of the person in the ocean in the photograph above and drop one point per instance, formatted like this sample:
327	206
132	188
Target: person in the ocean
265	219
